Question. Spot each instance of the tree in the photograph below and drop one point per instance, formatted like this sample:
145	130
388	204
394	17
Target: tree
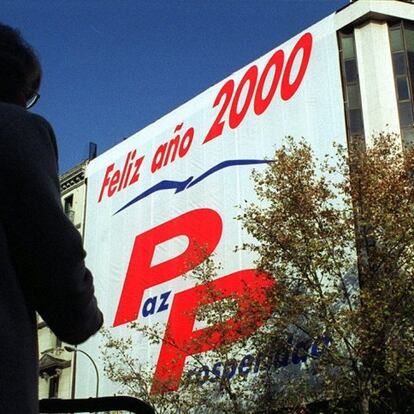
338	238
209	384
334	239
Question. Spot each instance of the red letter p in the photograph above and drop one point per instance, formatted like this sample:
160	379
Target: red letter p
203	228
247	288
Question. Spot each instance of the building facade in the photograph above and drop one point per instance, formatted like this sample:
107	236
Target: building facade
177	182
56	364
376	50
360	82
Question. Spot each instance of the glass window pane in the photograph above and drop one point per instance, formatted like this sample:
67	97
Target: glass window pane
402	87
396	39
358	142
406	114
408	137
355	122
409	39
348	49
411	64
353	97
411	70
351	71
398	60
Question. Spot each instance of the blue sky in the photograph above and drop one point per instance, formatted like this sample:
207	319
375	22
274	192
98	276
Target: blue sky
111	67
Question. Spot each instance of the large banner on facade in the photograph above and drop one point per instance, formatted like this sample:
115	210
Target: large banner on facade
176	185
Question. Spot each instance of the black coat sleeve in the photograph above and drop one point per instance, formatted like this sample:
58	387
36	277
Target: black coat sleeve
45	247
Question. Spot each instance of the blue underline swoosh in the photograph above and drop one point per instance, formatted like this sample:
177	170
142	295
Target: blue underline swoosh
179	186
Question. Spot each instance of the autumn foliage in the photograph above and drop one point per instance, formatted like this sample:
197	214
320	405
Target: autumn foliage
337	237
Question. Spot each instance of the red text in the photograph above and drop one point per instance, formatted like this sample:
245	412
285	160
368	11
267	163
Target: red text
203	227
251	87
116	180
247	288
167	152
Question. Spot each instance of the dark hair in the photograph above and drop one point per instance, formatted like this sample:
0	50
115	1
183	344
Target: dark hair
20	70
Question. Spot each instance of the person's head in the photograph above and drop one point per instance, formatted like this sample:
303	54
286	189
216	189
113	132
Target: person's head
20	70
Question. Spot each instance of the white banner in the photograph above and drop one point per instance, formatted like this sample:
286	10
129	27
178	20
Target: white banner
176	185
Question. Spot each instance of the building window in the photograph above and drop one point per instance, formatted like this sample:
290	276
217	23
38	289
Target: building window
351	90
402	51
53	386
58	343
68	207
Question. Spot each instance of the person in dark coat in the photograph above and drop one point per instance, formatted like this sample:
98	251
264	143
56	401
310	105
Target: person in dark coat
41	255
